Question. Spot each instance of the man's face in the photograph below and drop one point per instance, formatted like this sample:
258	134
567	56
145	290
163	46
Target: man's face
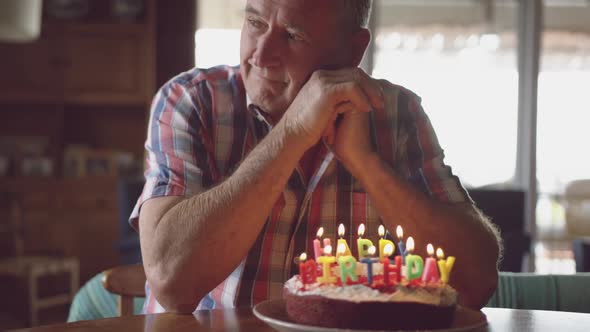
283	42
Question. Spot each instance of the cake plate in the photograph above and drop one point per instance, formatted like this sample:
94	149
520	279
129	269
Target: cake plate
274	313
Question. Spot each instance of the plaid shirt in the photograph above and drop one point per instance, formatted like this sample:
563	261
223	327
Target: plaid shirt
202	126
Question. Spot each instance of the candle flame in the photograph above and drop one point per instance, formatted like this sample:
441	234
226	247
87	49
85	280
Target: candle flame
361	230
371	250
303	257
410	244
381	231
440	253
341	249
388	249
399	231
320	232
430	249
328	250
341	230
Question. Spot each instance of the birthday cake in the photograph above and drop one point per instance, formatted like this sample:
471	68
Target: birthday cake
371	293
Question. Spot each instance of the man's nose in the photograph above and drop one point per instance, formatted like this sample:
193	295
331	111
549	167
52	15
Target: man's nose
268	50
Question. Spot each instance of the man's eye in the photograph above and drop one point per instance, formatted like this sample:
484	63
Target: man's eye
255	23
294	36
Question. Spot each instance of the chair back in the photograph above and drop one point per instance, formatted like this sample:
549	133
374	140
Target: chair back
127	281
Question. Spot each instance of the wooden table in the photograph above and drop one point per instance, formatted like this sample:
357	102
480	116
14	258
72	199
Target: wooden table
499	320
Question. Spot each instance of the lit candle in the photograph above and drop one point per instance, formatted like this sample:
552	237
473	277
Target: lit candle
383	242
369	261
414	263
317	247
387	251
326	261
445	266
342	242
362	244
347	268
397	268
430	269
402	248
307	270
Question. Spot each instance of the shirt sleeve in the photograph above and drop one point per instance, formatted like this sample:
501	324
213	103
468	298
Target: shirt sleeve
425	158
177	149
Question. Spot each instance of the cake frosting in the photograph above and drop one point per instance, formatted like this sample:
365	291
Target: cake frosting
435	294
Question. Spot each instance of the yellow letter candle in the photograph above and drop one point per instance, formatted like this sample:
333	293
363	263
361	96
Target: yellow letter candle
326	261
445	266
414	263
363	244
342	241
347	268
430	269
382	243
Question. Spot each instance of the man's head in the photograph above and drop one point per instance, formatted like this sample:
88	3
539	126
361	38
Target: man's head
284	41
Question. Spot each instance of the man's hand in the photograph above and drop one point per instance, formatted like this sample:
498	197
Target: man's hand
326	95
351	142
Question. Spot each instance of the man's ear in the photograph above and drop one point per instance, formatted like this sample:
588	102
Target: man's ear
360	42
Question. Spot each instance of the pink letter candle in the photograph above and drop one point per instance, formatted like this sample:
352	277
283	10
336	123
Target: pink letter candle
383	242
363	244
317	247
430	269
445	266
347	268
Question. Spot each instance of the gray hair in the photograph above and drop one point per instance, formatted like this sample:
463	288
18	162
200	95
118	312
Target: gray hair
360	10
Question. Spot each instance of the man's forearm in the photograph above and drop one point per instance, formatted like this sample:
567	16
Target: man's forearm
460	231
202	239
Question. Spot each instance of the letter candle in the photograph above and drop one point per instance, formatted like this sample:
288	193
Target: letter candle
430	270
326	261
362	244
317	247
369	261
346	251
307	270
383	242
387	251
347	268
414	263
445	266
402	248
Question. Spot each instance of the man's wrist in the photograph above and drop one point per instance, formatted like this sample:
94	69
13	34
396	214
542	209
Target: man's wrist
360	166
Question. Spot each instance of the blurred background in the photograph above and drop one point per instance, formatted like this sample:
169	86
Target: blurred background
504	83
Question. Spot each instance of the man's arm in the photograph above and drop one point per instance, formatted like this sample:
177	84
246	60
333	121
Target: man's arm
458	228
190	245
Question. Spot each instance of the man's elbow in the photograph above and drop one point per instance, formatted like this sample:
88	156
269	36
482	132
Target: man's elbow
479	293
172	294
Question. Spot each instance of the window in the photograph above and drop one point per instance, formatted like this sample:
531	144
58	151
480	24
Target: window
460	56
562	130
463	65
217	39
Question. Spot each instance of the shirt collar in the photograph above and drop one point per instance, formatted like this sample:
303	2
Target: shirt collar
258	114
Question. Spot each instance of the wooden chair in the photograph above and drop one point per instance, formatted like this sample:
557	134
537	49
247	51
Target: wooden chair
33	268
127	281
